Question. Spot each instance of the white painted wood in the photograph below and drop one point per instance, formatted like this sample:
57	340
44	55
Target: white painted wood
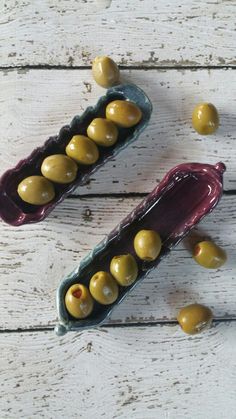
124	372
35	104
34	258
144	372
134	32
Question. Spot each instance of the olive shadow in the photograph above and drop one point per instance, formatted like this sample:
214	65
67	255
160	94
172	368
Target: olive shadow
227	123
181	297
195	236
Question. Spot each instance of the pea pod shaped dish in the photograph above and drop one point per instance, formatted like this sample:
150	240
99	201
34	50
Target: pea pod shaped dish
15	211
186	194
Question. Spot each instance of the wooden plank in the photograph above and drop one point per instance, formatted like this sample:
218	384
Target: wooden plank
35	104
145	372
68	33
34	258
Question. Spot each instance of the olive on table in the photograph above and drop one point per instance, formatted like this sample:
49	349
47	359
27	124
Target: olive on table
105	71
59	168
209	255
205	119
124	113
78	301
103	288
124	269
36	190
82	150
195	318
147	244
103	132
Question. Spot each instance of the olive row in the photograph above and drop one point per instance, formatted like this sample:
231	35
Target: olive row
81	150
103	286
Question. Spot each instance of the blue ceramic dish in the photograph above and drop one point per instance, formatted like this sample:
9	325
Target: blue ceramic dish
16	212
185	195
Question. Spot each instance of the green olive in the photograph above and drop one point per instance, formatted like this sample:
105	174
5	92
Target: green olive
59	168
205	119
36	190
82	150
104	288
124	269
105	71
209	255
147	244
194	318
103	132
78	301
124	113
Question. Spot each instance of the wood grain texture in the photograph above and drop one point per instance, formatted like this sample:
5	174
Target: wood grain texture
147	33
34	258
144	372
35	104
123	371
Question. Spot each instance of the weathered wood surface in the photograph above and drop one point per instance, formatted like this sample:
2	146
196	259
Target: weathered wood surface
111	373
121	371
35	258
147	33
35	104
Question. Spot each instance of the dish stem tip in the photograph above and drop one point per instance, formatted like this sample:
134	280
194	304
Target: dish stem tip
220	167
60	330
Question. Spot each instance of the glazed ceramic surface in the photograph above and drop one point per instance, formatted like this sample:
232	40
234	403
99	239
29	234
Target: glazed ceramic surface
16	212
187	193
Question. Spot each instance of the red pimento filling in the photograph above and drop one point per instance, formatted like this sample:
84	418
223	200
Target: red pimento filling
77	293
197	250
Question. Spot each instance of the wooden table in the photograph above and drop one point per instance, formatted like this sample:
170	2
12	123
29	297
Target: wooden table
140	364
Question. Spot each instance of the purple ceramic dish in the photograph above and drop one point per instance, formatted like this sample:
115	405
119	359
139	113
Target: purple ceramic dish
16	212
185	195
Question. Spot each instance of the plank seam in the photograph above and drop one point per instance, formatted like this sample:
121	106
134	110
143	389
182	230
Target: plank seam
116	325
122	67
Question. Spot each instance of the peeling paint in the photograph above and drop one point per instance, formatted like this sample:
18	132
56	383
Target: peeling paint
86	57
70	60
88	86
89	347
87	215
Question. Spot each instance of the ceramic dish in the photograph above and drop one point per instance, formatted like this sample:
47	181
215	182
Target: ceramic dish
16	212
185	195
